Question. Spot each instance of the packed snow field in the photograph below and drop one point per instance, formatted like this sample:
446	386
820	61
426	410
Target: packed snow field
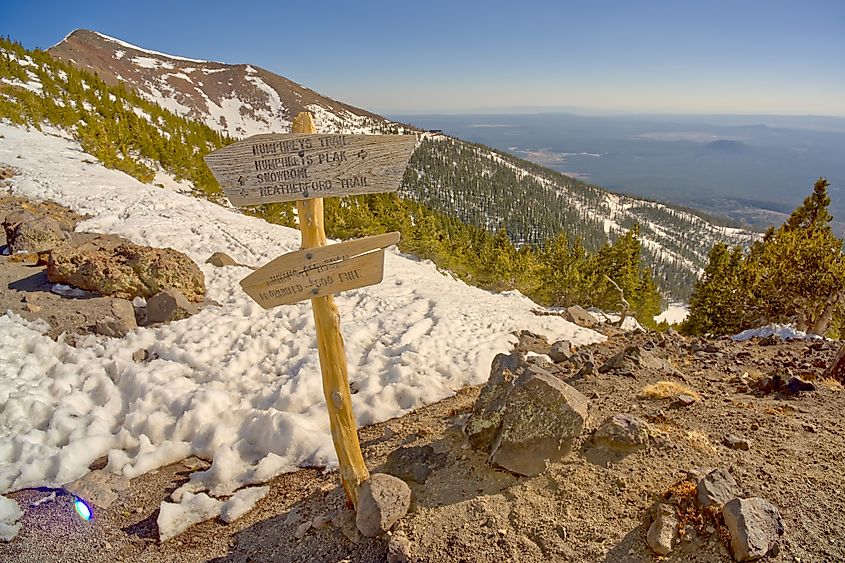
234	384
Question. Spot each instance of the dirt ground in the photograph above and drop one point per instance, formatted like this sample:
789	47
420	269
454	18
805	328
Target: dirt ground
590	507
583	509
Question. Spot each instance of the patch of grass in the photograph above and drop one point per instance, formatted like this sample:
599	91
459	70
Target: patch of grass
832	384
667	390
699	441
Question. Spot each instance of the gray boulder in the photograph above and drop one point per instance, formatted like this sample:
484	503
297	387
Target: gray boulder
32	234
483	425
755	525
169	305
525	417
717	488
382	500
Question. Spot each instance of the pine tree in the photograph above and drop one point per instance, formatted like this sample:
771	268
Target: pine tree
795	273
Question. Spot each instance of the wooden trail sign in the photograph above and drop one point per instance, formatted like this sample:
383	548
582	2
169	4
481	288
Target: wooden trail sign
276	167
306	167
321	271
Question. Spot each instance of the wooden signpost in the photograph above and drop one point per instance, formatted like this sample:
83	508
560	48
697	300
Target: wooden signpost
306	167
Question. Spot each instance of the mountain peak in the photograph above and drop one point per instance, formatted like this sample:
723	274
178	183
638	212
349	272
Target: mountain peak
239	100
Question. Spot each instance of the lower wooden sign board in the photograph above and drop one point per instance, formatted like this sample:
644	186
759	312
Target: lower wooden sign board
320	271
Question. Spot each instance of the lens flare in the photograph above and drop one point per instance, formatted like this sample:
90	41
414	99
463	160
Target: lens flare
83	509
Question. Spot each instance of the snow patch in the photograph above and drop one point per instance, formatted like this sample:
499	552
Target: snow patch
784	332
235	384
10	515
675	313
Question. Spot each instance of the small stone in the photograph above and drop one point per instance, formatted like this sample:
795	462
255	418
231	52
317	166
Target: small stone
398	548
31	308
414	463
623	432
345	520
561	351
302	529
321	522
169	305
684	400
531	342
755	525
121	321
717	487
98	487
140	355
382	500
796	385
734	442
663	532
578	315
221	259
293	517
836	369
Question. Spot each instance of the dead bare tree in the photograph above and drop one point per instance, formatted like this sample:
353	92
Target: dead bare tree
624	306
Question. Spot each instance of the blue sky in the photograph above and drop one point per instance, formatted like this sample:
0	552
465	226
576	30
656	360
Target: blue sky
461	56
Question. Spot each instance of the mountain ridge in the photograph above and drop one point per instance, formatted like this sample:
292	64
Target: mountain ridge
239	99
473	183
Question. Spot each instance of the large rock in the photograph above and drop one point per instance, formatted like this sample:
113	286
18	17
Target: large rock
525	416
169	305
717	488
485	422
28	233
127	270
755	525
623	432
664	530
382	500
578	315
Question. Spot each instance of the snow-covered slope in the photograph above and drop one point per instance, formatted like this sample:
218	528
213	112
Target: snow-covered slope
241	100
234	383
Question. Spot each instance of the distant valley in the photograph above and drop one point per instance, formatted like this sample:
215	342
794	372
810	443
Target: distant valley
751	169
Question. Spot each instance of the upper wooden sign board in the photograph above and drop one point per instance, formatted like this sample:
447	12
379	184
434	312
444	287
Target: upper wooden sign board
319	271
277	167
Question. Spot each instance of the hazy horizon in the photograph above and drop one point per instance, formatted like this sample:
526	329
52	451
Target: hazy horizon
660	57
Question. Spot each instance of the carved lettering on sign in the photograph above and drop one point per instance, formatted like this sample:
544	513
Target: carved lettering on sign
315	272
271	168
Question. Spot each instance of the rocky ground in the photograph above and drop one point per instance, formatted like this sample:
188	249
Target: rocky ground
690	406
